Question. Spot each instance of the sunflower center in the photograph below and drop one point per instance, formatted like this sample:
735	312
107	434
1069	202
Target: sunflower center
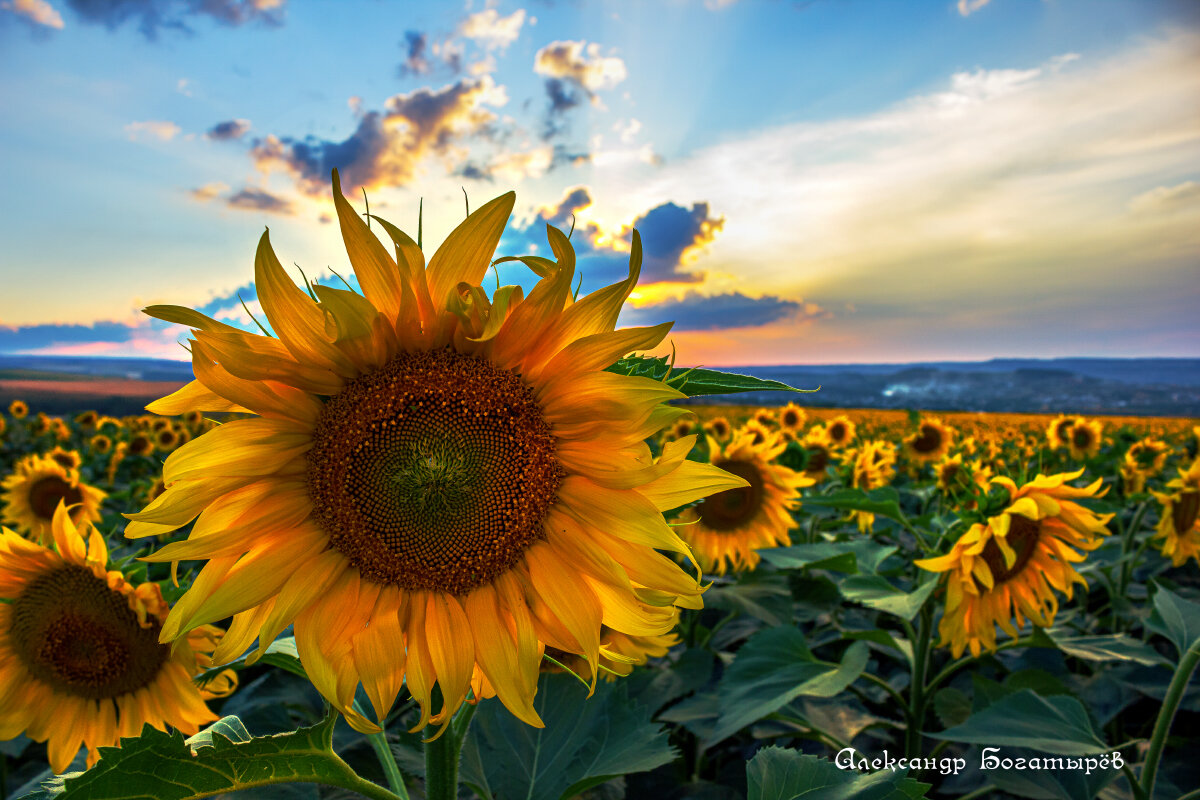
791	419
74	633
1022	538
45	493
1081	437
1185	510
837	431
733	508
818	459
433	472
928	440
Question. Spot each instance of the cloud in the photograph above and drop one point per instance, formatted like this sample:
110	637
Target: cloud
230	129
416	60
1167	199
969	7
37	12
183	87
696	312
388	147
491	30
259	200
671	238
513	167
105	338
581	64
209	191
152	129
151	16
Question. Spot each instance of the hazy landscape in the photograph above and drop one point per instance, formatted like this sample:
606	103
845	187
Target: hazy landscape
1139	387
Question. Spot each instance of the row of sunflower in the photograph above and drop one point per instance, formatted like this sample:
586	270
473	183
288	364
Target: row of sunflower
438	512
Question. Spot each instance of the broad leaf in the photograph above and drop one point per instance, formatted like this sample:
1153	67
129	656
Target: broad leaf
697	382
1056	724
1111	647
1180	618
223	758
886	639
759	594
876	592
585	742
773	668
858	555
776	773
280	653
884	501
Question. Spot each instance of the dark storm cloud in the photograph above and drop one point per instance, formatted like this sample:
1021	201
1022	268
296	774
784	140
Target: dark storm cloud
668	232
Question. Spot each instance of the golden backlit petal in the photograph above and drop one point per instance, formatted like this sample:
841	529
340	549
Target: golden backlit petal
626	514
574	604
259	358
496	654
265	398
466	253
191	318
377	273
67	541
420	675
178	505
451	650
379	652
617	468
622	611
312	581
242	632
505	298
529	652
522	337
688	482
193	396
324	672
240	447
597	351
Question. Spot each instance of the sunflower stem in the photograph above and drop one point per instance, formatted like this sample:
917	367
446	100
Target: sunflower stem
1166	715
912	735
387	760
442	756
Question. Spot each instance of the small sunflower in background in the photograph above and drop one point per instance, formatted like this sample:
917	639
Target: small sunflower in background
34	490
725	529
766	417
791	419
760	433
436	484
42	424
80	660
1179	517
684	426
1084	440
1143	460
87	420
931	441
957	478
18	409
1007	569
100	444
841	431
718	428
3	425
140	444
874	466
818	453
1058	432
69	459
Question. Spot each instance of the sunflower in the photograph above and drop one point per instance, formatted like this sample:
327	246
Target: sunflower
818	458
791	418
100	444
1058	432
140	445
438	484
42	424
726	529
80	661
620	653
87	419
3	425
931	441
683	427
718	428
874	466
955	477
1084	440
1179	520
760	432
1005	570
767	418
34	490
841	431
166	439
18	409
69	459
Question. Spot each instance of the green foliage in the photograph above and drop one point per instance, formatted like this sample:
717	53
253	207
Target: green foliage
779	774
1177	619
1057	724
585	742
280	653
696	382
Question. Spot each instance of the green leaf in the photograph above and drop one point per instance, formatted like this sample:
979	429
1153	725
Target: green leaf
876	592
1180	618
884	501
758	594
952	706
776	773
1111	647
585	742
223	758
1056	724
280	653
696	382
773	668
858	555
886	639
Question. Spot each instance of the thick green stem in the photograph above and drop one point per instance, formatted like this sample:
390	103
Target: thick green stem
916	705
383	751
442	756
955	666
1166	715
1127	538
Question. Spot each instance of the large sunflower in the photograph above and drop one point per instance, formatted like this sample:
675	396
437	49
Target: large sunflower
1006	569
438	483
34	490
80	660
1179	520
726	529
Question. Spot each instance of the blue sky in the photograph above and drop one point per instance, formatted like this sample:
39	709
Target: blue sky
815	182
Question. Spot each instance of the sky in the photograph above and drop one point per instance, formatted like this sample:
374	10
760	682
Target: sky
835	181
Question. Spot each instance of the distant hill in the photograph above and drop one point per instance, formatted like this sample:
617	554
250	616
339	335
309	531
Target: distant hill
1134	386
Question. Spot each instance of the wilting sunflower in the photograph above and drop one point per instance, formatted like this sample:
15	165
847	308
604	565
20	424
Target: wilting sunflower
80	660
874	467
438	483
718	428
791	419
1058	432
726	529
1084	440
841	431
1007	569
931	441
18	409
34	490
1179	517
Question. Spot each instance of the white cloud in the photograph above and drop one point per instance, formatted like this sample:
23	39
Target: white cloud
183	86
580	63
968	7
38	12
491	30
1167	199
154	129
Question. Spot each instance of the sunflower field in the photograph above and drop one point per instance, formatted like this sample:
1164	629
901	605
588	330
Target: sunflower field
432	540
